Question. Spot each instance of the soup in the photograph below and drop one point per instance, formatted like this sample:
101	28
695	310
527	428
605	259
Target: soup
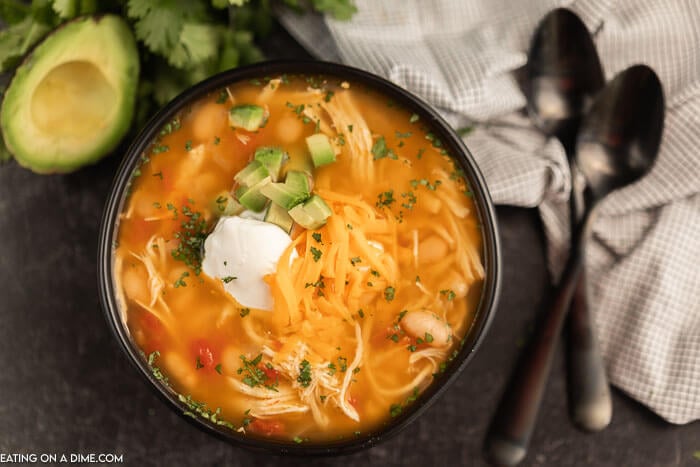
298	258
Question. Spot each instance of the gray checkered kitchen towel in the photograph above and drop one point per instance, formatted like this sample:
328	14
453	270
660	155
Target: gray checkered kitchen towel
644	258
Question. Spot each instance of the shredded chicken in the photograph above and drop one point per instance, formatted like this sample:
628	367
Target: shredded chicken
345	114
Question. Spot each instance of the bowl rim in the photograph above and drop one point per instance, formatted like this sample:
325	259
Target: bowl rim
456	148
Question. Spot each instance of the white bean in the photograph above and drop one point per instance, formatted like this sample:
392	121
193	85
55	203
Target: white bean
422	324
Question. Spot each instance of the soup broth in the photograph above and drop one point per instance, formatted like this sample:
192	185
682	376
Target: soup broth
367	308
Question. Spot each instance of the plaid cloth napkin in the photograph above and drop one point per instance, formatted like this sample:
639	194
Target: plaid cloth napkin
644	257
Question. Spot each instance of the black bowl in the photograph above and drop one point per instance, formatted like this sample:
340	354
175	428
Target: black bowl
451	141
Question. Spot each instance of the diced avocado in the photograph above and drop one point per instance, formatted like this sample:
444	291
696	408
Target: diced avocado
318	209
303	218
322	152
312	214
251	198
283	195
249	117
251	174
277	215
72	99
298	181
226	205
273	159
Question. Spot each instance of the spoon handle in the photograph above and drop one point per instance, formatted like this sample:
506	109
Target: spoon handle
590	402
510	431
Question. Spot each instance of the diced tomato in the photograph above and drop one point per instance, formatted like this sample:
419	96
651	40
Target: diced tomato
267	427
273	376
204	354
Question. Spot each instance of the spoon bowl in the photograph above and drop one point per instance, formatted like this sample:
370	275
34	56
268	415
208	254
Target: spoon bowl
563	74
620	138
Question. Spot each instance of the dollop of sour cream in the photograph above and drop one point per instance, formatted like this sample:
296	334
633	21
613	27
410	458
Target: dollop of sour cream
241	252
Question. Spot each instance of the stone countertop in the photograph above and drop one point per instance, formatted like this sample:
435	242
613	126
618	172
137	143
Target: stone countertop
65	387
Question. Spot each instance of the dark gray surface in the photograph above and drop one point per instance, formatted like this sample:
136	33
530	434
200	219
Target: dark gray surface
66	388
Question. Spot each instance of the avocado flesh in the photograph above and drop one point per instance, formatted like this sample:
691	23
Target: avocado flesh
72	99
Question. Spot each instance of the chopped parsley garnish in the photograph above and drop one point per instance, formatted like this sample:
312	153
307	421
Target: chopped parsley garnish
403	135
181	280
298	440
385	198
341	139
160	148
412	348
198	363
317	236
304	377
298	109
159	175
157	205
396	409
410	198
421	151
350	128
389	293
356	370
331	369
217	140
428	337
329	96
361	313
316	253
245	312
355	260
394	337
323	398
449	294
188	145
401	315
414	118
171	126
157	374
246	420
464	131
191	237
228	279
426	183
343	364
218	368
255	376
349	226
200	408
374	273
379	149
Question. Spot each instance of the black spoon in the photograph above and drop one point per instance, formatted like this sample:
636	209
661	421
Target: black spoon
563	75
617	144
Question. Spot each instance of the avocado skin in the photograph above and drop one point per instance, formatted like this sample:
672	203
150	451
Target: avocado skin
104	41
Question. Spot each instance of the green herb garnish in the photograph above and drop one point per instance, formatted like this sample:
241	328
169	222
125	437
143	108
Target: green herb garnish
180	282
449	294
316	253
304	377
389	293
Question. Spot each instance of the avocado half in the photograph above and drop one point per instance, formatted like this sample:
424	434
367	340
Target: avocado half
72	99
